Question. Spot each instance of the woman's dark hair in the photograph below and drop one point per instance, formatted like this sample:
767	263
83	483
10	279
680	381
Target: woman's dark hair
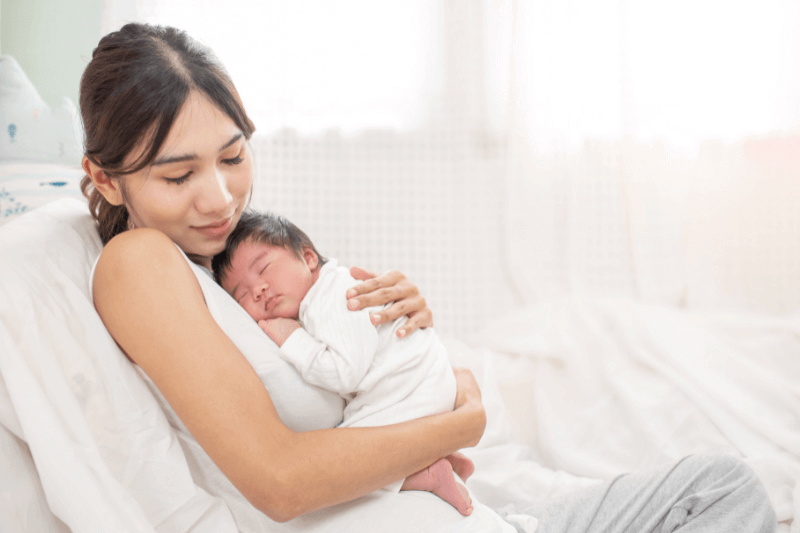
264	228
132	91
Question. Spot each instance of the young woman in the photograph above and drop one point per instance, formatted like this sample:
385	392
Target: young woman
169	171
168	163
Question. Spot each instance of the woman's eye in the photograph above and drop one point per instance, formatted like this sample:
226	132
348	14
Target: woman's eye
178	181
234	160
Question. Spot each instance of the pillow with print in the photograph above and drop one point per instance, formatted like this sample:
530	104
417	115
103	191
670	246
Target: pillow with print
29	129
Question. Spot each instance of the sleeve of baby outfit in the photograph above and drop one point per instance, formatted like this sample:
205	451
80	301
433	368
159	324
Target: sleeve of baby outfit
336	346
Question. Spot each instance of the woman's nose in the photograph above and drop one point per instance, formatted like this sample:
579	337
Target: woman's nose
215	196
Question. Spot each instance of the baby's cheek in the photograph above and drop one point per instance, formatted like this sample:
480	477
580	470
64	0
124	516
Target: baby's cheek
290	310
254	311
227	284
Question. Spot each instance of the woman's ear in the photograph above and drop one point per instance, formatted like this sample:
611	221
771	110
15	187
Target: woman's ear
310	258
108	187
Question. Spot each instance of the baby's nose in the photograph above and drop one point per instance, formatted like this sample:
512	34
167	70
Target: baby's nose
259	290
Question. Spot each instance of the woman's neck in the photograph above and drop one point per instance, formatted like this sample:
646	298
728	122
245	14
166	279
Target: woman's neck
201	260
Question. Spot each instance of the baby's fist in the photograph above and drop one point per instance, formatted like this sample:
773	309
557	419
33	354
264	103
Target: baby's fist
279	329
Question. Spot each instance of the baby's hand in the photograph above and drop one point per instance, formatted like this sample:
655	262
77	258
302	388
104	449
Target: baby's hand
279	329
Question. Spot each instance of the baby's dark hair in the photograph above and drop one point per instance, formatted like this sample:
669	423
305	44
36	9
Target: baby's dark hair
264	228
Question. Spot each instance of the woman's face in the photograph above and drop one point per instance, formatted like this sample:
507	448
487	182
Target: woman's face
198	184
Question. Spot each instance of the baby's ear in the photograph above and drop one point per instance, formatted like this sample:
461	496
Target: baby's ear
310	258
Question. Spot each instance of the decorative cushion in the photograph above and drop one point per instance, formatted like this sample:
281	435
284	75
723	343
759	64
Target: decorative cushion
29	129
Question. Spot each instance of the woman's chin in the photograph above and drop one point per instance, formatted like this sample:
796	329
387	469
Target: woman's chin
208	249
201	255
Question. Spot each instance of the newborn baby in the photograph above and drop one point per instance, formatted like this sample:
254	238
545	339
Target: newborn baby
272	269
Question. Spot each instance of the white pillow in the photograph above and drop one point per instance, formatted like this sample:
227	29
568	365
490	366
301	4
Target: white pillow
30	130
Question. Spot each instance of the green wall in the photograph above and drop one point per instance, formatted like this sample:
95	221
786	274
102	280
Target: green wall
52	40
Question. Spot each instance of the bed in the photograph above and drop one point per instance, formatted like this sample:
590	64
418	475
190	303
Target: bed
576	389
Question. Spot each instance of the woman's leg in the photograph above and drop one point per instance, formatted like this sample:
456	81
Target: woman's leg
700	493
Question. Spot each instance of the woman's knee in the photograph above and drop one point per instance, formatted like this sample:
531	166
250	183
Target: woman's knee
732	476
720	466
719	473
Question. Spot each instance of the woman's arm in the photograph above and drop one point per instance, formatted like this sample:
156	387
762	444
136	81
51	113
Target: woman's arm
391	286
153	306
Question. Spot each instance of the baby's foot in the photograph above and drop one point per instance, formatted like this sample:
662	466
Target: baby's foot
462	465
438	479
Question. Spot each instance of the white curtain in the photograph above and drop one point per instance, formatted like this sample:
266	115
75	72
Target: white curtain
654	148
313	65
507	151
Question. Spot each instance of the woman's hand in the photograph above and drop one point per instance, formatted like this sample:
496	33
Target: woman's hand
391	286
468	400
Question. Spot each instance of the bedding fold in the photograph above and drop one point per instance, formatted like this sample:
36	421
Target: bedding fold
634	386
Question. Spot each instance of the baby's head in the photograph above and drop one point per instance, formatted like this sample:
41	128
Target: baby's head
268	265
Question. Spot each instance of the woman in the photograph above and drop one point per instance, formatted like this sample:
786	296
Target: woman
166	150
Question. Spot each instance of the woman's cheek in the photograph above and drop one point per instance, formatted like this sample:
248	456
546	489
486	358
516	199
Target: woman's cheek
242	177
177	202
245	181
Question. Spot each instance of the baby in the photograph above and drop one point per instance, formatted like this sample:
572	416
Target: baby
272	269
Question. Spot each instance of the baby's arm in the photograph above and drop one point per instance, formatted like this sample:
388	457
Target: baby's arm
279	329
336	347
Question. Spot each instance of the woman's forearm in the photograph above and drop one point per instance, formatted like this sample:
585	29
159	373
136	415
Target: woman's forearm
357	461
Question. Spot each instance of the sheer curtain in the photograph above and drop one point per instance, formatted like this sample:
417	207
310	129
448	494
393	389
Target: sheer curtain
502	152
654	148
313	65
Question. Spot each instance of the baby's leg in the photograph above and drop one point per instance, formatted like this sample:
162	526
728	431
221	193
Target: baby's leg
438	479
462	465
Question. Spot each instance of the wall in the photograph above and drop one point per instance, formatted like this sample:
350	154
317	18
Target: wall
52	40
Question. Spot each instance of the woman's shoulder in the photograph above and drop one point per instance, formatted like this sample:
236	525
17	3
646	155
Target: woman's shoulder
142	261
139	246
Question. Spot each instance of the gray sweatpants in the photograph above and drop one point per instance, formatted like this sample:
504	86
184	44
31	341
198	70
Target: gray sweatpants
698	493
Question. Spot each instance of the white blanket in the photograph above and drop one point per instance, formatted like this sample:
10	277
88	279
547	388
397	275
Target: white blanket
615	386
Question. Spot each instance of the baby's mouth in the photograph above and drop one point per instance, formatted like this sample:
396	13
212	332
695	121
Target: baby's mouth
270	302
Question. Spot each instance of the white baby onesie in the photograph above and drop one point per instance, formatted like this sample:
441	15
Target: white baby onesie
383	378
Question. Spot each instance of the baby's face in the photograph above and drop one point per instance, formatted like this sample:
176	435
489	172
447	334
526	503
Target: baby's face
269	281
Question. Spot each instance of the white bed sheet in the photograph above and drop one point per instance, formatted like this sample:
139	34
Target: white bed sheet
614	386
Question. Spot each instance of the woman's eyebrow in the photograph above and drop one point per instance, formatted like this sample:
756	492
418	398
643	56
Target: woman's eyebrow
189	157
233	140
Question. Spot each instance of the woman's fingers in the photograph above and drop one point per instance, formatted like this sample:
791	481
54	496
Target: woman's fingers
391	287
381	290
421	319
362	274
416	319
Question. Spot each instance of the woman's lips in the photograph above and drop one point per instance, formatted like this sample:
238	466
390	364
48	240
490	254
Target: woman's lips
215	231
